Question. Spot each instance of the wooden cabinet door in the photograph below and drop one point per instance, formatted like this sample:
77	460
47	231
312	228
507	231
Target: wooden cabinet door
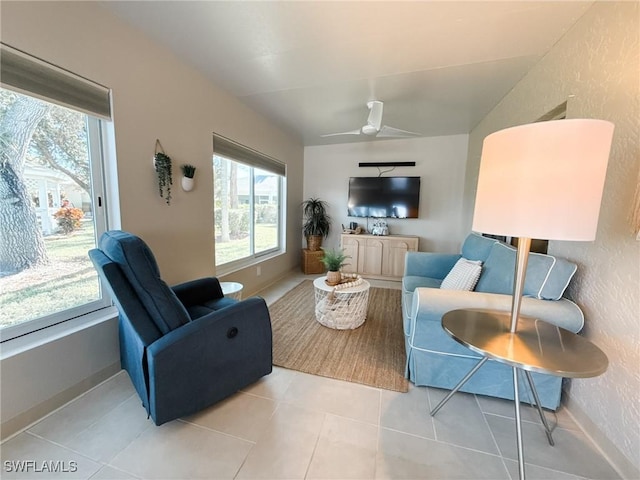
393	258
371	260
350	245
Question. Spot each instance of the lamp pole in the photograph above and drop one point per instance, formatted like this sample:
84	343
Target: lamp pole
522	256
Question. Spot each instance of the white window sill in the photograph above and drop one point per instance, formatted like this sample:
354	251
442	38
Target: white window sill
238	265
27	342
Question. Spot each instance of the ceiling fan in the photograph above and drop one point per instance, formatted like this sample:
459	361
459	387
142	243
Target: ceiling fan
374	127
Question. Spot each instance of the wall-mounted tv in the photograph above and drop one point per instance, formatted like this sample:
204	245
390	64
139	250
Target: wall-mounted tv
392	197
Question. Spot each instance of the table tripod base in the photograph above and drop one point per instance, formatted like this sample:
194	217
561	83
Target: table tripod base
516	399
459	386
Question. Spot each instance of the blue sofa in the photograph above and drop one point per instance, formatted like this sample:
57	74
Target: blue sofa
184	347
435	359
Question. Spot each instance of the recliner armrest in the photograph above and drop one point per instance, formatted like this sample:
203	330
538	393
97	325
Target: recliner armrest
209	359
430	304
197	292
250	316
429	264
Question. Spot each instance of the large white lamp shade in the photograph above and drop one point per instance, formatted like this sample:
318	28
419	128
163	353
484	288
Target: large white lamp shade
543	180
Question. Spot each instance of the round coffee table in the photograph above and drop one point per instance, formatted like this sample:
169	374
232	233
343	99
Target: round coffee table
342	309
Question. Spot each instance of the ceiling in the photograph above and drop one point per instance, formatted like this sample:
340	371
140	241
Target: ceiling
311	67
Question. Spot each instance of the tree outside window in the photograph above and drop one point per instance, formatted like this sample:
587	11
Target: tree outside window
47	212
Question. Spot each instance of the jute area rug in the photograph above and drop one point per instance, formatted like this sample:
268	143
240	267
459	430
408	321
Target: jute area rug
372	354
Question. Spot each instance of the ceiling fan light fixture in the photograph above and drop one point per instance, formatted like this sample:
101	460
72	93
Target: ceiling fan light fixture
369	130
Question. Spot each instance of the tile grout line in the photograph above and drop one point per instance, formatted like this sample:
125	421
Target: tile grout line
378	434
315	446
256	442
495	441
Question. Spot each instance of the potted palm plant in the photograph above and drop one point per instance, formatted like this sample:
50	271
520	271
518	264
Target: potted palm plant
317	222
334	260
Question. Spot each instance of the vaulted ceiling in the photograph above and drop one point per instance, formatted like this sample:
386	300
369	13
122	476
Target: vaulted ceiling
311	67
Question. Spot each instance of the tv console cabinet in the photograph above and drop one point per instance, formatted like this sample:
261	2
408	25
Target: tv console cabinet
374	256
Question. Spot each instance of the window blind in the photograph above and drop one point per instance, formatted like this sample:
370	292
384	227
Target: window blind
228	148
26	74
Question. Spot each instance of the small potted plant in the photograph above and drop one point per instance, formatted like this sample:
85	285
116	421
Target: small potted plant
317	222
188	172
162	164
334	260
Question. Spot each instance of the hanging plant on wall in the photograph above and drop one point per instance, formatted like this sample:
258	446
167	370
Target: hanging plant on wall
162	164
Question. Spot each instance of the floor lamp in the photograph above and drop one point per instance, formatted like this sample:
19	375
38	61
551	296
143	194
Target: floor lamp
545	181
542	180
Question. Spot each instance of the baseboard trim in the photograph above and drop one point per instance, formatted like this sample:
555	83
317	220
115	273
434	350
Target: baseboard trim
616	458
26	419
263	286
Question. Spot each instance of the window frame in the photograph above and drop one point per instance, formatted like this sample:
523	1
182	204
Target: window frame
255	258
34	77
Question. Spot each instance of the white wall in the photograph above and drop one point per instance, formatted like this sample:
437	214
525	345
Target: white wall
440	164
597	65
155	96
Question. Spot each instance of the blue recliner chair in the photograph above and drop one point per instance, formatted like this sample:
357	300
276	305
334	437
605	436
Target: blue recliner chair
186	347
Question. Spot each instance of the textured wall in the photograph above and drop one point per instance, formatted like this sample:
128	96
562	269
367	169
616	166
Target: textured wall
596	67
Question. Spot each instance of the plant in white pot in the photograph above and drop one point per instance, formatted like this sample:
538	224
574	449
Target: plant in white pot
188	172
334	260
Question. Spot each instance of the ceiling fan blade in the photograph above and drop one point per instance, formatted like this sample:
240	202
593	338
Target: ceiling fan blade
386	131
352	132
375	114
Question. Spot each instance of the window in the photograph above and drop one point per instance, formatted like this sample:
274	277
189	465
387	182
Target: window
248	200
52	206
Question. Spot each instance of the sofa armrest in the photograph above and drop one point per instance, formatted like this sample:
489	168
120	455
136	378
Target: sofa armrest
429	264
197	292
430	304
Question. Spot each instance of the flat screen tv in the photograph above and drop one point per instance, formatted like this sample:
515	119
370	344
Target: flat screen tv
384	197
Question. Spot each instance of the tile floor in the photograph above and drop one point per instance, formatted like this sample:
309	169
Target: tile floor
292	425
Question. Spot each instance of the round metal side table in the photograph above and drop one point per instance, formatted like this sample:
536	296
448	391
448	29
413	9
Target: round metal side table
536	346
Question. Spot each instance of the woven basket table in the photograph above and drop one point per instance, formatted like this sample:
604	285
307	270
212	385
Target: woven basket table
341	309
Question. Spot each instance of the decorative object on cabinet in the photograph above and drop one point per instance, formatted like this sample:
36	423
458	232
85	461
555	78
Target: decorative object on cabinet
317	222
188	172
334	260
162	164
376	256
354	228
380	227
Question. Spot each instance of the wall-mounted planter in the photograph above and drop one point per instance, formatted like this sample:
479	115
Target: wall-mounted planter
187	184
188	172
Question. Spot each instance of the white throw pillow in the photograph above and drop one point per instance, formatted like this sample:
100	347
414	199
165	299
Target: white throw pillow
463	276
